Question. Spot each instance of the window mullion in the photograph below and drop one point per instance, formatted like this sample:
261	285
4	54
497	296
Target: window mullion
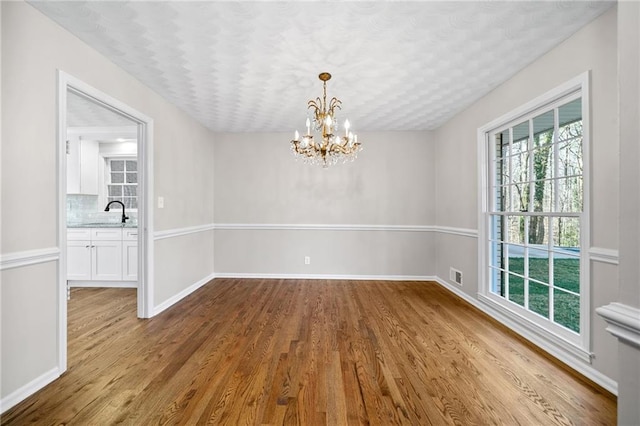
555	208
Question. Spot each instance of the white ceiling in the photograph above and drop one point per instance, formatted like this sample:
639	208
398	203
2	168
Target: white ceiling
252	66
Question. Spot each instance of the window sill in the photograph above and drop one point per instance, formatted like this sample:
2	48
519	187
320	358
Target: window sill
556	345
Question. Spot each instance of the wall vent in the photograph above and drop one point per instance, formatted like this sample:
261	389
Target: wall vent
455	276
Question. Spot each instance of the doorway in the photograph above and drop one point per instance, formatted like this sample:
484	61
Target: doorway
72	92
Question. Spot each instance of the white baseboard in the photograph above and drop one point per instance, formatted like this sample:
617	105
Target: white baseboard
29	389
566	358
110	284
184	293
325	276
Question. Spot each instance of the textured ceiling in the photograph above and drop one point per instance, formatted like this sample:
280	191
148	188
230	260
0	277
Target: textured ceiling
252	66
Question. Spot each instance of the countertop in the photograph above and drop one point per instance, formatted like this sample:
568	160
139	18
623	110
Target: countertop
102	225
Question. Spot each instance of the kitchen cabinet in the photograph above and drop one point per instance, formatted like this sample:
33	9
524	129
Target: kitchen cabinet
106	260
102	254
82	166
79	260
130	254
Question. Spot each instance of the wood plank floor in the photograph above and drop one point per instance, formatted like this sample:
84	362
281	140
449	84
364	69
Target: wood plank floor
305	352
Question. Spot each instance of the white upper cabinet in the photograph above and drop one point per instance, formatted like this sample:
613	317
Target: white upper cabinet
82	166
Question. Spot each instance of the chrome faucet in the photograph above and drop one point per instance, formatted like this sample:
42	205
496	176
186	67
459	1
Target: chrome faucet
124	217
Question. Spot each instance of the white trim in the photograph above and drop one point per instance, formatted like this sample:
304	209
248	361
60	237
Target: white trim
128	132
144	124
184	293
580	81
319	227
557	352
325	276
604	255
29	389
624	322
102	284
463	232
178	232
29	257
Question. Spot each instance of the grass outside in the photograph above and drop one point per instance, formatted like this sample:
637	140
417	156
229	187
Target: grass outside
566	275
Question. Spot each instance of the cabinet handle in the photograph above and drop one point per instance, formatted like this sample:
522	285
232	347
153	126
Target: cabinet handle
87	246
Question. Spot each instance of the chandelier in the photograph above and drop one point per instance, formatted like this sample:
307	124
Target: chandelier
330	147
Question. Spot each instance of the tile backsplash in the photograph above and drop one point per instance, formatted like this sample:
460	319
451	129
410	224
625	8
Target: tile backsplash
83	208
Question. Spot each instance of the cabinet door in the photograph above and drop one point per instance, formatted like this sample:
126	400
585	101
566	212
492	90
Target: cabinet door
89	157
79	260
82	166
107	260
130	260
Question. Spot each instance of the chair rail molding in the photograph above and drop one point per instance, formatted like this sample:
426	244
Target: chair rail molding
29	257
624	322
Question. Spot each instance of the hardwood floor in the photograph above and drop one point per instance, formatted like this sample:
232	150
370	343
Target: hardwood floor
305	352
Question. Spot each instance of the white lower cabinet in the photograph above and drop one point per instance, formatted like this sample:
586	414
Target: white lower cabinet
102	254
79	260
130	254
106	261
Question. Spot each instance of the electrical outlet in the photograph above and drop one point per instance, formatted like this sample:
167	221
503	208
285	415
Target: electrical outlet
455	276
307	260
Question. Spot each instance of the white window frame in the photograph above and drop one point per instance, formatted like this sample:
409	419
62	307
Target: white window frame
551	338
103	191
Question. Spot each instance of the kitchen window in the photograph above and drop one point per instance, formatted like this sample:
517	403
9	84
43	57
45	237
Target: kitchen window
122	182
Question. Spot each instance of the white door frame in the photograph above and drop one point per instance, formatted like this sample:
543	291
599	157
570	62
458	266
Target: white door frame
145	200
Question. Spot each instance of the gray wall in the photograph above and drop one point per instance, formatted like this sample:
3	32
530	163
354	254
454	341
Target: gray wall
33	49
257	182
592	48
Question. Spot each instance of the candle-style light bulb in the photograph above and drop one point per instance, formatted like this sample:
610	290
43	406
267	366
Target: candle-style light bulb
346	127
296	136
308	126
328	121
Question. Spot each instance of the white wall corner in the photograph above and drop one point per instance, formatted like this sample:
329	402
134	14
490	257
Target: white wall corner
624	322
184	293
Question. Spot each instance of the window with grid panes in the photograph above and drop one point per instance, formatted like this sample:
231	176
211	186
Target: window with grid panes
535	214
123	182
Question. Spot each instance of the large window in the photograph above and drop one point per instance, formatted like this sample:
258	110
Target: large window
535	216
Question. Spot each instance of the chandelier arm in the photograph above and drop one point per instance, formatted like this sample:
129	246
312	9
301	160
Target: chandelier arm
335	103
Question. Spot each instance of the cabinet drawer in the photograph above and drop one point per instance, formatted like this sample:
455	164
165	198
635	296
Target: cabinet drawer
106	234
130	234
78	234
